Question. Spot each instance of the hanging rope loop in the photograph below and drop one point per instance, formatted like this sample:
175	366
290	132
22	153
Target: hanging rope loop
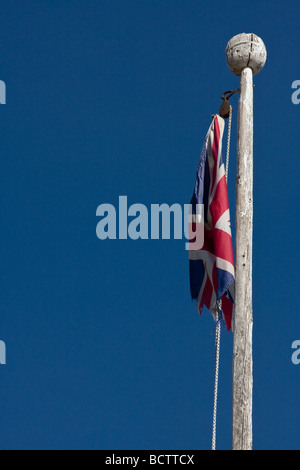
217	361
219	307
228	143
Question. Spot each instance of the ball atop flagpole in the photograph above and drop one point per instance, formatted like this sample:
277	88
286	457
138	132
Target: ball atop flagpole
246	50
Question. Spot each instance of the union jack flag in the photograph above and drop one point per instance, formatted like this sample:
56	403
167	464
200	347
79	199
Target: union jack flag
211	264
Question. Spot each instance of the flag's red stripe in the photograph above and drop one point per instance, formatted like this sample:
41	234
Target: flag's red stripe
206	295
215	151
227	307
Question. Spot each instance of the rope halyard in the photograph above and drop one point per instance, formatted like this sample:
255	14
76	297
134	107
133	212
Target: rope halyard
217	360
228	143
219	315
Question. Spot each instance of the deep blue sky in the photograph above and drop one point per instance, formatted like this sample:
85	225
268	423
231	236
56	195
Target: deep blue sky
105	349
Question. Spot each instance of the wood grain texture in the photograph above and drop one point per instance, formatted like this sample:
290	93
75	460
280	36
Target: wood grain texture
243	316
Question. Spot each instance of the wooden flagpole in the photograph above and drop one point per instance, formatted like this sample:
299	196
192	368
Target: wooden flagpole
246	56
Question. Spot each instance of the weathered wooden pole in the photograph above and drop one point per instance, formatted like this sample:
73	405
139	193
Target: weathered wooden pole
246	56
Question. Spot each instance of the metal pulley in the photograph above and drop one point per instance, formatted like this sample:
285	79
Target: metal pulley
225	106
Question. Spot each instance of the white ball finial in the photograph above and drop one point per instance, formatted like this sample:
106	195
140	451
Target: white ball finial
246	50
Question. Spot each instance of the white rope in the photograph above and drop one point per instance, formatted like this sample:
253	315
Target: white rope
218	324
228	143
217	360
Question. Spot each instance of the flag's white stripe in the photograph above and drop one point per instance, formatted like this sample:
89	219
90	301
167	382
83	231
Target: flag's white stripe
201	290
213	305
219	176
195	218
221	171
207	258
224	222
203	255
225	265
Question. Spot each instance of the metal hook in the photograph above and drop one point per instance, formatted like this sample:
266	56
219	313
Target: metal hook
228	94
